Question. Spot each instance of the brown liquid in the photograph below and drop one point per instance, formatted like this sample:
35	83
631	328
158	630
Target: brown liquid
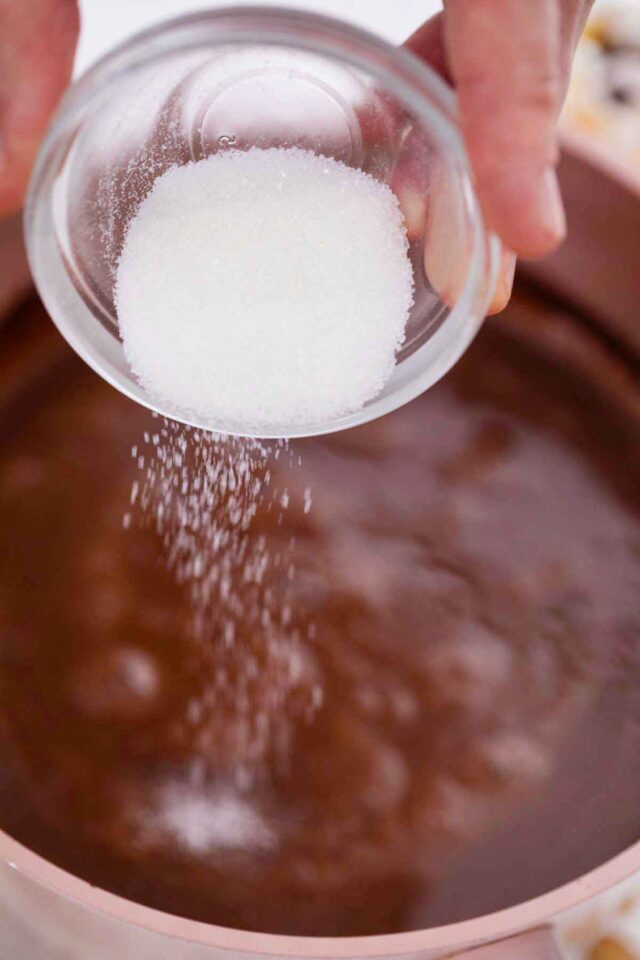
471	563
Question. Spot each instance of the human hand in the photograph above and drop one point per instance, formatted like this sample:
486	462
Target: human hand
509	61
37	45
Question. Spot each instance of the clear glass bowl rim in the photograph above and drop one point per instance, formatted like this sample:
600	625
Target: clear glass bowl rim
400	72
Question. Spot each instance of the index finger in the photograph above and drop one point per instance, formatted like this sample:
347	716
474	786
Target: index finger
505	58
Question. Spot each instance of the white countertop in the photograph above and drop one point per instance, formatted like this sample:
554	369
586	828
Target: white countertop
108	22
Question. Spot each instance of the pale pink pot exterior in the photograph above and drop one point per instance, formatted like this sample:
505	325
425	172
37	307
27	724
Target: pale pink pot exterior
47	914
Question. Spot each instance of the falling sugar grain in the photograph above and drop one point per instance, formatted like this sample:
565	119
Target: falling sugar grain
200	493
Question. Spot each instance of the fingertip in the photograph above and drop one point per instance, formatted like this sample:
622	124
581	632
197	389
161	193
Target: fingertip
10	197
504	283
15	278
525	209
549	210
15	165
411	182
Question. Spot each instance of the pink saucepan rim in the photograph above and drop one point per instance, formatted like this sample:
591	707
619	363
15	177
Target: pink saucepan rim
493	926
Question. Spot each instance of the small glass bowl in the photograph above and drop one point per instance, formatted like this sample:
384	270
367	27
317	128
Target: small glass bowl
239	78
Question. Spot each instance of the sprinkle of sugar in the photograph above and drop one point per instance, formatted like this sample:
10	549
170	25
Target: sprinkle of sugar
200	493
202	821
266	288
308	500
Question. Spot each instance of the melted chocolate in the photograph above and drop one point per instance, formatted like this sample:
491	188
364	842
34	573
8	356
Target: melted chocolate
471	565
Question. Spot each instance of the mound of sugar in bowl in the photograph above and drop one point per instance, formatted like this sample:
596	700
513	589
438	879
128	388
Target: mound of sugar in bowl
263	289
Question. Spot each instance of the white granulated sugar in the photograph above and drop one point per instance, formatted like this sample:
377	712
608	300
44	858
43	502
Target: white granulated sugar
264	288
204	821
200	493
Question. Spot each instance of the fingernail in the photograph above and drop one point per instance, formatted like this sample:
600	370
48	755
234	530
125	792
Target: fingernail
550	208
504	283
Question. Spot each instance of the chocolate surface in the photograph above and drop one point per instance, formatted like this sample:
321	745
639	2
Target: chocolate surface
471	568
